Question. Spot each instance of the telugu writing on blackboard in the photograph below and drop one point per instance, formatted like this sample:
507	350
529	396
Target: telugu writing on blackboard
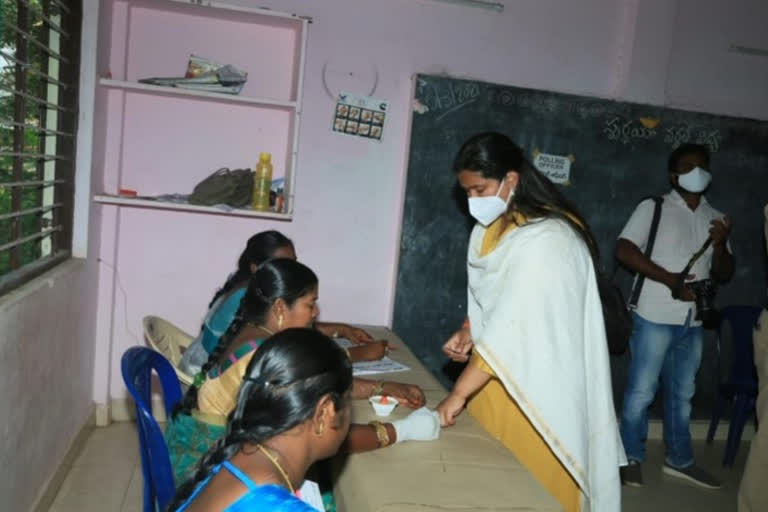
629	131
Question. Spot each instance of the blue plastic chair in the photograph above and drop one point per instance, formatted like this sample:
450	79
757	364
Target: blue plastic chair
137	365
741	386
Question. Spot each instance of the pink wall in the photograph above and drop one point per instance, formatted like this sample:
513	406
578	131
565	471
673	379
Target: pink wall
48	343
46	363
349	195
703	75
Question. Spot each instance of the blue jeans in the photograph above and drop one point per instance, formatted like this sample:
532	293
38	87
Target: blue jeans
674	353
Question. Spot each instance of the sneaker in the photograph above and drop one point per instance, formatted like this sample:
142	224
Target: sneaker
632	474
693	474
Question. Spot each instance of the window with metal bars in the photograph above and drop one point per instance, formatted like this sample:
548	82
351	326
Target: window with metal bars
39	69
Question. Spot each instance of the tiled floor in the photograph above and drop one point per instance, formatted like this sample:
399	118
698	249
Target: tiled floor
107	477
662	493
107	474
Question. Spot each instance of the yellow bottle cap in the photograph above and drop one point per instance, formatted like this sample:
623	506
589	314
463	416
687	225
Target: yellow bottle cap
265	157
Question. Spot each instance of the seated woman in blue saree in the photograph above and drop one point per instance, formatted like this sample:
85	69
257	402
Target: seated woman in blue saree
292	410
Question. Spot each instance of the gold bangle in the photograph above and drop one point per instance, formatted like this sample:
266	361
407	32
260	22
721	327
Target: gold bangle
381	433
378	388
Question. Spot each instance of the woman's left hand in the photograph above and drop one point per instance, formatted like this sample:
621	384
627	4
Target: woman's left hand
407	394
450	408
355	334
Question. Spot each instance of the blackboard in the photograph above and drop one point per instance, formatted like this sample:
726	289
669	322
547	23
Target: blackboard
619	155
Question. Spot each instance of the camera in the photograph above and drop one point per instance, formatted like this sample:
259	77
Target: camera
705	291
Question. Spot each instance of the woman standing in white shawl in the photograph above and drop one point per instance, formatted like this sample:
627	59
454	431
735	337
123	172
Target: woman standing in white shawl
538	378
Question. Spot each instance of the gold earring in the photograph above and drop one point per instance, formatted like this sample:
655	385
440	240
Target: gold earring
280	322
320	430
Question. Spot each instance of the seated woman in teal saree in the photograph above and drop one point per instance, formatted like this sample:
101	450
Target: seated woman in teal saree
222	310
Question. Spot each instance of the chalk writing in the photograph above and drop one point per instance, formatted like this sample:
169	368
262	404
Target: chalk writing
676	136
711	138
449	98
538	103
543	104
587	110
682	134
626	130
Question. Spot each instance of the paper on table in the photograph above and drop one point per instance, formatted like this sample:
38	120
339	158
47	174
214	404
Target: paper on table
309	493
383	365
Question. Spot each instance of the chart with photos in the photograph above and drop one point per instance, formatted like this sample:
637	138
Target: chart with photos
362	116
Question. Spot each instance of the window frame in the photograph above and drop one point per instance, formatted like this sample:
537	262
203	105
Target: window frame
59	206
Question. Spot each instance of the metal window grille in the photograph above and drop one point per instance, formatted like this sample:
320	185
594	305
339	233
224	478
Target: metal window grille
39	68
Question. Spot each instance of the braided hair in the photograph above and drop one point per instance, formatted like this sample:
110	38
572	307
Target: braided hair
260	248
286	379
275	279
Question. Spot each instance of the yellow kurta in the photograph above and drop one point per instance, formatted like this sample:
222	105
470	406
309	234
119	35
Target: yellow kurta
500	415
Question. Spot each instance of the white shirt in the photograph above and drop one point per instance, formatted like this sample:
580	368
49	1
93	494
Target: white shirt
681	233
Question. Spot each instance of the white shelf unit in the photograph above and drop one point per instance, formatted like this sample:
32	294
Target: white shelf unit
160	140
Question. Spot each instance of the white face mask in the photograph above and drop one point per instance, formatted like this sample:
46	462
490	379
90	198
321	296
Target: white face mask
488	209
696	181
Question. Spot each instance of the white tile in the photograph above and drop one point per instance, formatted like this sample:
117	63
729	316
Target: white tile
117	442
100	477
134	496
97	488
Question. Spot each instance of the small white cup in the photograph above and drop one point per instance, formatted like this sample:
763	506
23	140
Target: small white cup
383	409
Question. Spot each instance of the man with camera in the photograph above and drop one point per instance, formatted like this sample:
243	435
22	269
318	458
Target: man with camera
689	256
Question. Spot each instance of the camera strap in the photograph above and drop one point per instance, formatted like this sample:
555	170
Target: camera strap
698	254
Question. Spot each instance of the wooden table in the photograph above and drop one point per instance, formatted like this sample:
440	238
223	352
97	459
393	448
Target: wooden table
466	470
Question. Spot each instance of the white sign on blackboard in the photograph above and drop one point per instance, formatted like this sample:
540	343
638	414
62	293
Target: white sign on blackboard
555	167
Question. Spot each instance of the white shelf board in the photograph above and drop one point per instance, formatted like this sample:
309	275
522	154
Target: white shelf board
159	205
212	96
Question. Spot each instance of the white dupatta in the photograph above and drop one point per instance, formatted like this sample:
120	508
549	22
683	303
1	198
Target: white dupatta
537	321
